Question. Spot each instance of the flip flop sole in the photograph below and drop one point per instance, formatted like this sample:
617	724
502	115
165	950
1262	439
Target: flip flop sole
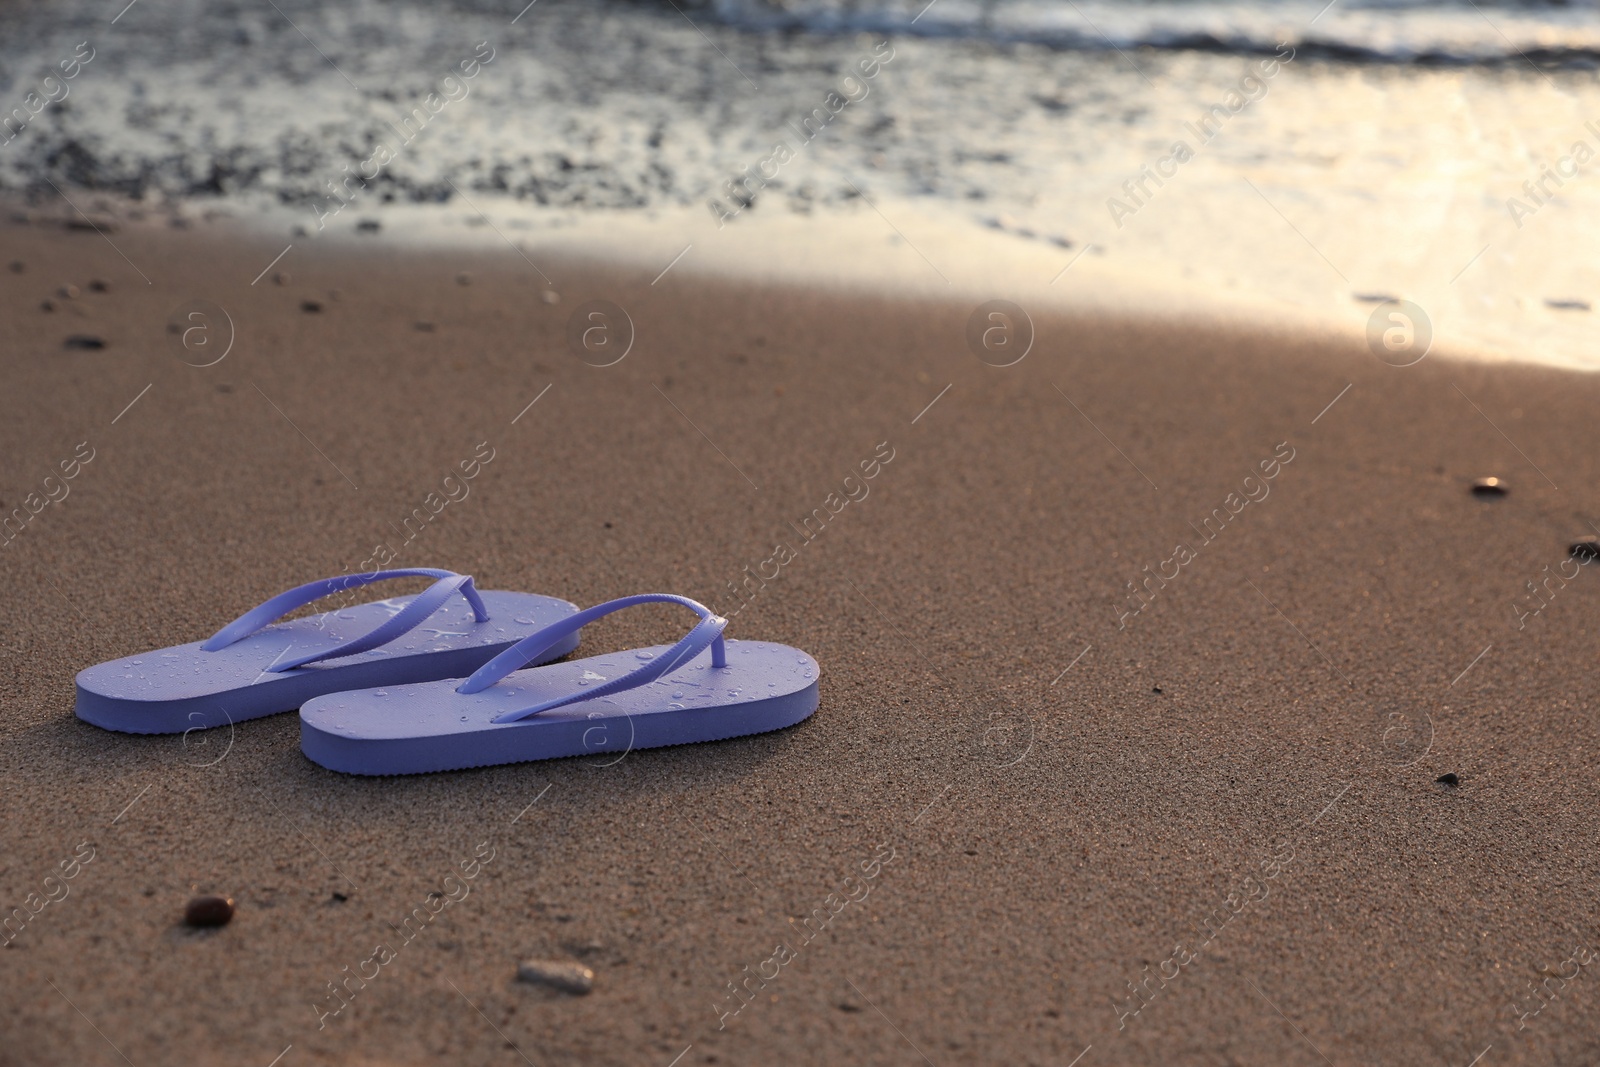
430	727
173	690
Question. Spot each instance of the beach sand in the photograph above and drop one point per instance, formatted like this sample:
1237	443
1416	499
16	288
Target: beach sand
1007	807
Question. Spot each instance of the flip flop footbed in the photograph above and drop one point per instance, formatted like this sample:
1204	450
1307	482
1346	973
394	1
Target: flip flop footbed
431	727
171	690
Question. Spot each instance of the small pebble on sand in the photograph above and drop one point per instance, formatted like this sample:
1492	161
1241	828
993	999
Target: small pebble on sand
209	911
561	974
98	286
18	267
1487	487
424	327
310	307
46	305
1448	778
368	226
68	292
463	278
1567	304
84	343
281	278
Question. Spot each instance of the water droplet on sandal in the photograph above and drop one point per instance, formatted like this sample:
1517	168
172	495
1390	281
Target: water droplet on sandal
677	696
645	655
678	707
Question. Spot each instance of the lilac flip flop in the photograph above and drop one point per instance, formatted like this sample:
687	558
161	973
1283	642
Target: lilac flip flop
696	690
251	668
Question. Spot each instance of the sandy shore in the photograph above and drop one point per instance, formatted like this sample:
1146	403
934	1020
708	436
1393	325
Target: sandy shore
1039	795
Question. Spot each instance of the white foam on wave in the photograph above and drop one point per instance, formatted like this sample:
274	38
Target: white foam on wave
1446	31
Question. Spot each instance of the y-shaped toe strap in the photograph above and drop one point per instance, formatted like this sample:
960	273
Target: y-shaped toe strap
706	633
423	605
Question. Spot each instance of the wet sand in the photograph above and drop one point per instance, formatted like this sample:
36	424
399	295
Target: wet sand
1018	795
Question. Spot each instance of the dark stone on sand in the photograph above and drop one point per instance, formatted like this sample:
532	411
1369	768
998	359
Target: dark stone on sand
45	305
1586	547
18	267
424	327
101	226
368	226
209	911
1448	778
280	278
1489	487
463	278
84	343
1374	298
340	897
98	286
847	1006
1556	304
310	307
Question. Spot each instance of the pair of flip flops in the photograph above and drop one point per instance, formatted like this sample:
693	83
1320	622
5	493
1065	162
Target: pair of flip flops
380	693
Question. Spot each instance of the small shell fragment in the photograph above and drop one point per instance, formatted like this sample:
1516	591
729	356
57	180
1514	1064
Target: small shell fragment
563	975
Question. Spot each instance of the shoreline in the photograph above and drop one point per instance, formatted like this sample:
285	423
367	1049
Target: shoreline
861	254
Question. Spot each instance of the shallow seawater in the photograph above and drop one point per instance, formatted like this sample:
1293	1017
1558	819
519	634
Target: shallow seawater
1277	178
